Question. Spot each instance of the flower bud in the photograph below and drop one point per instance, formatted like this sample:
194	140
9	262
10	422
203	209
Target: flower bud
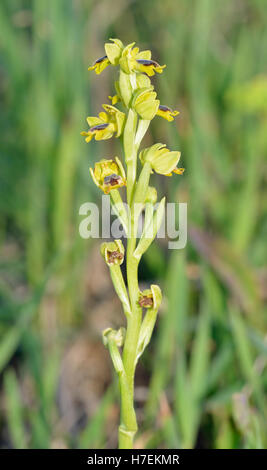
117	336
162	161
151	195
113	252
145	103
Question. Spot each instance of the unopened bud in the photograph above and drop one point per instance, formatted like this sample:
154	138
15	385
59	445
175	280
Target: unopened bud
151	195
116	335
162	161
145	103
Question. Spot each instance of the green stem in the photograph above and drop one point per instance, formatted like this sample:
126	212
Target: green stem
132	137
125	438
130	150
133	322
128	426
126	431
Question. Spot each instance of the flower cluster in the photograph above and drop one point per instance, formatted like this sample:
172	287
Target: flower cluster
135	90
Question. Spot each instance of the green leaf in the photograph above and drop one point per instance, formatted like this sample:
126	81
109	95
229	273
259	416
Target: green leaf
199	363
14	410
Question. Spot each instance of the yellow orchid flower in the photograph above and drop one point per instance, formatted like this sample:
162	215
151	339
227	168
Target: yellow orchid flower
100	64
129	58
150	298
167	113
102	131
113	52
105	125
148	66
113	252
132	60
108	174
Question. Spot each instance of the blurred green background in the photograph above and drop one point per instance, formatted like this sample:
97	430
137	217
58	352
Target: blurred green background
202	381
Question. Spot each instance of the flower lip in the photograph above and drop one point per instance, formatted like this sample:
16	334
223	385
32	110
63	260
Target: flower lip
100	64
108	175
166	112
146	301
99	127
112	180
164	108
101	59
147	63
113	256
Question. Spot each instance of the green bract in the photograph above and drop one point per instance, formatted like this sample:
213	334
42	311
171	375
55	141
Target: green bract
143	81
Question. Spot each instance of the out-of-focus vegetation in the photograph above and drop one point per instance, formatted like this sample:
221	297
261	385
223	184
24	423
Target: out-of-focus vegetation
203	380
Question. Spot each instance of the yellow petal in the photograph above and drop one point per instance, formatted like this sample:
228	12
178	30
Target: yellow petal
93	121
149	66
99	65
167	113
103	134
178	171
114	99
103	116
144	55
